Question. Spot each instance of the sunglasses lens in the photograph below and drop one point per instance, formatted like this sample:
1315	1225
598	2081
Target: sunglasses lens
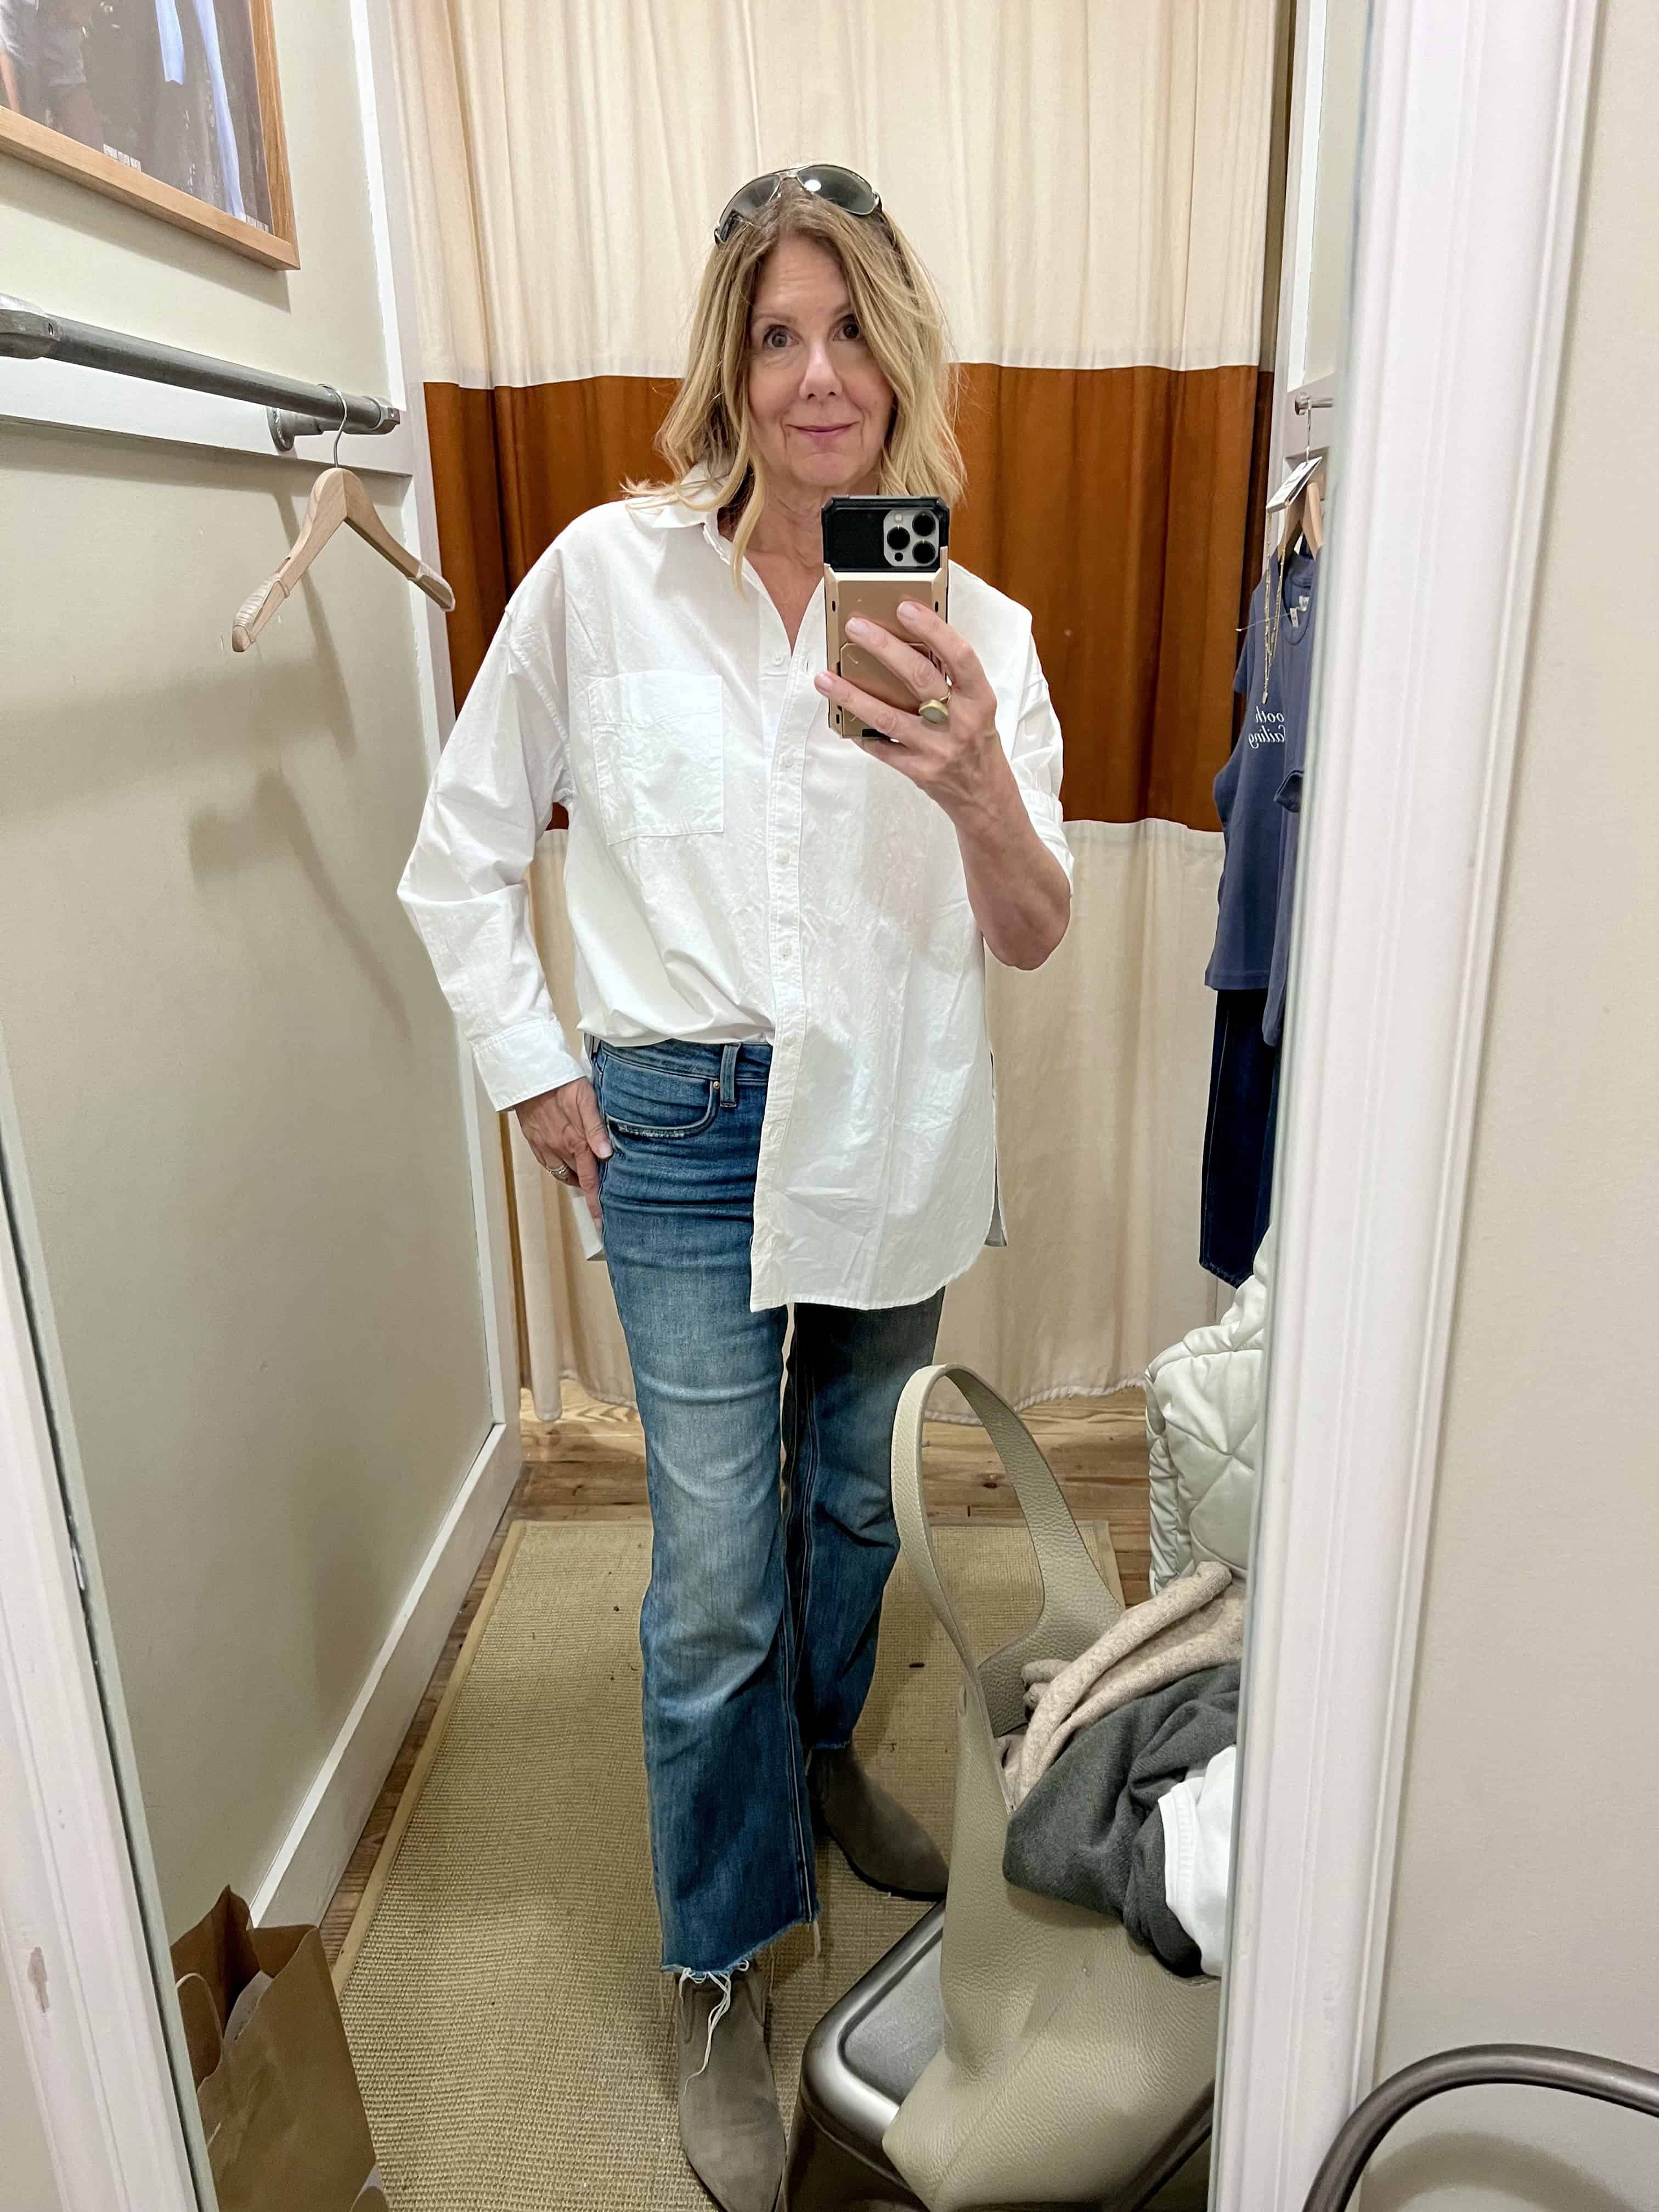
842	188
745	204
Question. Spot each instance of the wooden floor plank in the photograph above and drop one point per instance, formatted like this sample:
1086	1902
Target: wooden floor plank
590	1466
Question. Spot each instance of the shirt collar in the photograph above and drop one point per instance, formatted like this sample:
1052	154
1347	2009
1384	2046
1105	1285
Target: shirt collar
680	514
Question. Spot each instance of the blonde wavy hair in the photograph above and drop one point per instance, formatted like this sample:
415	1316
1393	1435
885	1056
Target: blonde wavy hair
705	433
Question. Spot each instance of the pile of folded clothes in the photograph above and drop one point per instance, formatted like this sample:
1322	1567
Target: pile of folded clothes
1120	1784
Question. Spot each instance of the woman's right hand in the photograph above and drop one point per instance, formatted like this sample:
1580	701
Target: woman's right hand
565	1130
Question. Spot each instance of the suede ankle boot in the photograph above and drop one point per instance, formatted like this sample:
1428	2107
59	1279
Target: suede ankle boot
884	1844
730	2123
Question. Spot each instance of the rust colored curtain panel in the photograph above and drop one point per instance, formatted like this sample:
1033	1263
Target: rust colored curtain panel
512	467
1088	181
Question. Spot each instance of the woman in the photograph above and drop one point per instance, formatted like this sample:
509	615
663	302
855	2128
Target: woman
787	1099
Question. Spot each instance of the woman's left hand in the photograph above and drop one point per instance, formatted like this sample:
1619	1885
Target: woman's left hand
959	763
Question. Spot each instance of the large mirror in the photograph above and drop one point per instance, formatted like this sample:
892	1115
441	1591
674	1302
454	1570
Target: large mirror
647	1177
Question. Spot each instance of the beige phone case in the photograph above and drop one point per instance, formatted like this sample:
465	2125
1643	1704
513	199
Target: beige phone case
876	597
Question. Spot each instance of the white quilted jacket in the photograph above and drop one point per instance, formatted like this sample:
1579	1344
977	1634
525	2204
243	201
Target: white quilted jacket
1204	1431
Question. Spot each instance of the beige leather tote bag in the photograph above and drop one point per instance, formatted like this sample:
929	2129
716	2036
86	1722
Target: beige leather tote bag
1073	2060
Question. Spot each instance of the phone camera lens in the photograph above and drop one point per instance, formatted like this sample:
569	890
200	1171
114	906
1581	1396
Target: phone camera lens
924	525
898	539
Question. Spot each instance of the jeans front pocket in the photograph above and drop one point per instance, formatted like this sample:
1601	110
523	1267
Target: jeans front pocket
658	740
645	1104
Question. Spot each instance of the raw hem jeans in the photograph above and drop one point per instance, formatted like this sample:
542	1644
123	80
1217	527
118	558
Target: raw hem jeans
771	1504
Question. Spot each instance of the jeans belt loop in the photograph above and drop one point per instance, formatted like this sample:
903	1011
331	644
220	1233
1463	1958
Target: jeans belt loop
729	1074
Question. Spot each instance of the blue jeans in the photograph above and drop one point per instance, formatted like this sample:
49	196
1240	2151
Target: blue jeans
771	1504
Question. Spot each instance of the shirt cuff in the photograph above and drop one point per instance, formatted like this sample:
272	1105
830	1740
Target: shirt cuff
1050	825
522	1062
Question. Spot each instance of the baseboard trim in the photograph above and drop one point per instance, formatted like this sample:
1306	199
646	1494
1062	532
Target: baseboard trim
305	1872
380	1873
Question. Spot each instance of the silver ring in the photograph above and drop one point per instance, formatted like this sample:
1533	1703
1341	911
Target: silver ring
561	1172
936	712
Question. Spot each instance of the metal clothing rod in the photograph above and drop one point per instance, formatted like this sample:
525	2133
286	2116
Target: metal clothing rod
293	408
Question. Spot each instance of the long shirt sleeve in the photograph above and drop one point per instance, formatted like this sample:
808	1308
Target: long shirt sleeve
502	772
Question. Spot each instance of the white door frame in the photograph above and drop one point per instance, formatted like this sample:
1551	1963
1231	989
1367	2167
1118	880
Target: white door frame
78	1965
1470	158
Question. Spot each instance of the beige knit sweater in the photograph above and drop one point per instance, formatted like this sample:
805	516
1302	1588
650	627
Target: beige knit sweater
1195	1622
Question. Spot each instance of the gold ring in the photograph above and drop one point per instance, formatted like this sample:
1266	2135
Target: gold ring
936	711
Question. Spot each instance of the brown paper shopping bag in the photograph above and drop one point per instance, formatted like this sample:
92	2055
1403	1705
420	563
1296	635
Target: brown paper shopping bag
281	2107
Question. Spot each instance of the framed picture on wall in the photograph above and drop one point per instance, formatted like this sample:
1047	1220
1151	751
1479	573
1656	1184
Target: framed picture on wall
172	105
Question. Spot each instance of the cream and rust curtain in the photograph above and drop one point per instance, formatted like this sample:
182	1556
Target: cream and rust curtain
1088	181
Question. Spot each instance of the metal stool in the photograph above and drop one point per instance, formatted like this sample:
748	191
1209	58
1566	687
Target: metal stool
862	2060
859	2065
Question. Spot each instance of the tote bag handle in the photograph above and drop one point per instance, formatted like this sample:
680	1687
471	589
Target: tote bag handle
204	2031
1077	1605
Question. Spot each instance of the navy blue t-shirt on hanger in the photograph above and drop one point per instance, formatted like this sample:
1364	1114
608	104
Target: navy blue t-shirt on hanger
1270	745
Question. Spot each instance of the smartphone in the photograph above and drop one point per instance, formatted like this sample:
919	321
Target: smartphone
877	551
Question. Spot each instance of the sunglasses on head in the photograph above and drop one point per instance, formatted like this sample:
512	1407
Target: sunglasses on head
843	188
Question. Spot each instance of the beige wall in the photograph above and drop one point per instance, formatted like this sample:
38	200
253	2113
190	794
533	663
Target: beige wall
1338	157
236	1081
27	2183
1525	1906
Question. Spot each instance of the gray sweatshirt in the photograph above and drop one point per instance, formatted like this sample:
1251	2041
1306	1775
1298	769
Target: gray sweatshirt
1089	1832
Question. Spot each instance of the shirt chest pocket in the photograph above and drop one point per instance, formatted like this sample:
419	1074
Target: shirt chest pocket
658	739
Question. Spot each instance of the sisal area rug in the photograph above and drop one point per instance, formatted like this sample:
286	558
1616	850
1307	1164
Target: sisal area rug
500	1988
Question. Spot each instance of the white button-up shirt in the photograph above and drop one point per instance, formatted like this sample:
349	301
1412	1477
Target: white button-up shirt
735	872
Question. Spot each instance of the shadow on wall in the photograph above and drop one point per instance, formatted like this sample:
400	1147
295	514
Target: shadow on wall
70	739
1443	2167
91	740
75	740
273	825
160	247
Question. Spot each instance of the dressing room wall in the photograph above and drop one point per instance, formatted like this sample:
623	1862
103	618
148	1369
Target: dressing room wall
238	1086
1523	1908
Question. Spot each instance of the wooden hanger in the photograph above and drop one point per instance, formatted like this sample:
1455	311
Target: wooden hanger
337	496
1301	500
1313	513
1304	516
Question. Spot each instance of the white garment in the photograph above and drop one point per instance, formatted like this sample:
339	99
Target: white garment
171	36
1203	1403
230	165
1198	1843
173	40
735	870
